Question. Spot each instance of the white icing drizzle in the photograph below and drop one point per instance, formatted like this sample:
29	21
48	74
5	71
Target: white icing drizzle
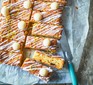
3	24
3	55
39	5
6	46
46	30
37	43
43	6
27	67
37	66
12	32
50	17
13	56
20	37
22	14
6	57
15	62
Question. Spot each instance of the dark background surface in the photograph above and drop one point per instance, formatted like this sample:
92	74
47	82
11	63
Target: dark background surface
85	72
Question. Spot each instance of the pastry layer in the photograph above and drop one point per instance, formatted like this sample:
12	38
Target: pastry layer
37	43
6	44
50	17
60	1
18	11
51	60
44	6
34	67
47	30
15	3
11	58
10	28
19	5
21	14
8	2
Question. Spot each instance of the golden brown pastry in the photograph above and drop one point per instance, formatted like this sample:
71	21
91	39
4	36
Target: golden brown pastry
37	69
51	60
41	43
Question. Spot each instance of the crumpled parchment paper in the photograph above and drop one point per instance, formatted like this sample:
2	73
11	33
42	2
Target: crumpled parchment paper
76	27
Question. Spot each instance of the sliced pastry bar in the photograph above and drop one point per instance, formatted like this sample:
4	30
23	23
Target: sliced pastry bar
16	24
11	58
18	3
22	5
51	60
41	29
47	6
50	17
37	69
13	28
9	44
16	10
21	14
63	2
41	43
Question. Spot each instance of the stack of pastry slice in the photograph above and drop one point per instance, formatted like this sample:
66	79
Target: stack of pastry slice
31	24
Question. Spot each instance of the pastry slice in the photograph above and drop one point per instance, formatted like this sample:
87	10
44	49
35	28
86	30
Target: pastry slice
60	1
20	9
20	14
41	43
22	5
50	17
12	28
47	30
16	3
37	69
47	6
51	60
16	44
11	58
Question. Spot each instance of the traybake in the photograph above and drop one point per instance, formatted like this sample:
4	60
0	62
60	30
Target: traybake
32	25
